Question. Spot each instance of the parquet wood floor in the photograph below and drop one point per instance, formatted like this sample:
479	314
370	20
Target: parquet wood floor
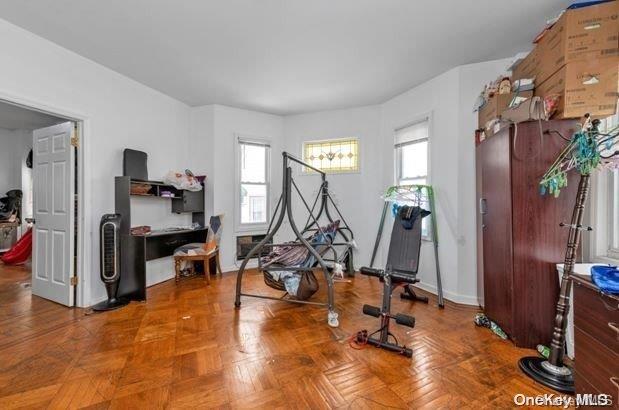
187	347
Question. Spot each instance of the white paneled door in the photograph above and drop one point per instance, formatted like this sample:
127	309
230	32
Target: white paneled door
53	232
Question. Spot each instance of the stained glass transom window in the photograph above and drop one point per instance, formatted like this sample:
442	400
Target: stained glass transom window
332	156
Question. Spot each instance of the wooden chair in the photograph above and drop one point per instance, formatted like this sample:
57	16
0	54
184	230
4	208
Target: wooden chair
211	255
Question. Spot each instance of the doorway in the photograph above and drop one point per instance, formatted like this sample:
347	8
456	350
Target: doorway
39	205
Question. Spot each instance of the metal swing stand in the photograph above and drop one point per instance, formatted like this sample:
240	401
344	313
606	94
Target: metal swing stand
409	292
553	372
283	208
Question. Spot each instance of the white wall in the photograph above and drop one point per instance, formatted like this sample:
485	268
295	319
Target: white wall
14	147
9	178
201	150
120	112
213	137
449	99
438	98
357	195
472	79
26	175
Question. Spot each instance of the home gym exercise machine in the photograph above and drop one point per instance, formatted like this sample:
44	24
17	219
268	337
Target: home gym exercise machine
420	196
283	209
390	280
401	270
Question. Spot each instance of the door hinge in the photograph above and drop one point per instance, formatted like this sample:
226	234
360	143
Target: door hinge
75	141
73	280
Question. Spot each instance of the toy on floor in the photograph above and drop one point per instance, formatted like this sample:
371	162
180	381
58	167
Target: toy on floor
20	252
543	351
483	321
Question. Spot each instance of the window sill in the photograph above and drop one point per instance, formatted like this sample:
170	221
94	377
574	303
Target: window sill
606	259
257	229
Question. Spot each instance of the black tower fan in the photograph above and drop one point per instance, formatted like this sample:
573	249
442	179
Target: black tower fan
109	229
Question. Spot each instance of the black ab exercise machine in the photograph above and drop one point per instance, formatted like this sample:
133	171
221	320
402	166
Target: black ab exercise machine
401	270
390	281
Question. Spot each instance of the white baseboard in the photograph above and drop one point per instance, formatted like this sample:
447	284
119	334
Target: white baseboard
233	268
97	300
453	297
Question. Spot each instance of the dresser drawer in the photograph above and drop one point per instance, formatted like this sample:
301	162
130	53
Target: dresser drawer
582	385
596	363
583	389
597	315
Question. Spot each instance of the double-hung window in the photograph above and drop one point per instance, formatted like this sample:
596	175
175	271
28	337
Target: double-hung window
411	160
411	154
253	165
613	242
605	207
612	184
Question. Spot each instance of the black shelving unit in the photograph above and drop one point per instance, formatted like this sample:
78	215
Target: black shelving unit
136	250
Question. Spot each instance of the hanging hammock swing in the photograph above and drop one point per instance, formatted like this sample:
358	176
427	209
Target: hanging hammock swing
289	267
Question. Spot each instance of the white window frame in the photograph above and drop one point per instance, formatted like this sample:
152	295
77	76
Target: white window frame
603	243
613	216
307	171
398	160
251	227
397	168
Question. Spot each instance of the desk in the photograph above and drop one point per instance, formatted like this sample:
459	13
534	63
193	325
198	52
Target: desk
138	249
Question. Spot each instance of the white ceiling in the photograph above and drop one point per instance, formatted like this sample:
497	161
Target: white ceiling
14	117
284	56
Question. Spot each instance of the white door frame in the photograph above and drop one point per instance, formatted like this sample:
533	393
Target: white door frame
84	210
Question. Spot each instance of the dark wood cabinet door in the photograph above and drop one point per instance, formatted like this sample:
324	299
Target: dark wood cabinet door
497	228
538	241
189	201
478	225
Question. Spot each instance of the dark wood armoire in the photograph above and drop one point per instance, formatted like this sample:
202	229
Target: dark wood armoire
519	234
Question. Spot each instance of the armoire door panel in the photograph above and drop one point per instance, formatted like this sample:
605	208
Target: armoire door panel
497	229
538	240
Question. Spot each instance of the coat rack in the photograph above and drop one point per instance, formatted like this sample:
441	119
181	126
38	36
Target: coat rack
587	151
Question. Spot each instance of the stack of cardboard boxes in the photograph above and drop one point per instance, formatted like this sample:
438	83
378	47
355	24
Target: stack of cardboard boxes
578	59
495	106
